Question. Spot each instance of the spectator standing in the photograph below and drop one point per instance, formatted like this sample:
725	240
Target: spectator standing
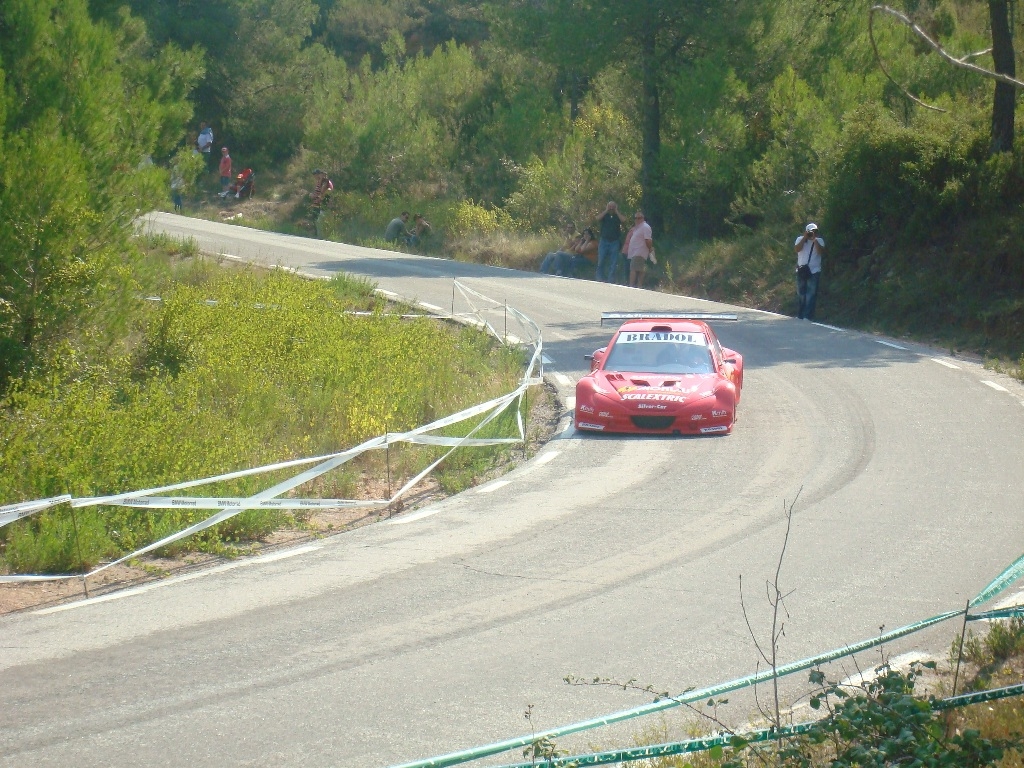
396	228
809	249
320	197
610	221
624	255
225	171
177	184
639	249
204	142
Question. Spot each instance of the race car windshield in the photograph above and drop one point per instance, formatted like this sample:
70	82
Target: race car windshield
654	352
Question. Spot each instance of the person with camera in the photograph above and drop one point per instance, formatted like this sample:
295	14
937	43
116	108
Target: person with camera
809	249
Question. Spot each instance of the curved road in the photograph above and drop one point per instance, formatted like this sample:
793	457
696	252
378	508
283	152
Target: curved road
604	556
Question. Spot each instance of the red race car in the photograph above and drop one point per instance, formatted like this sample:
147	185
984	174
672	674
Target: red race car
661	374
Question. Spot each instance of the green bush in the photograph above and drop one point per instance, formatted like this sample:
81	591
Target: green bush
570	186
470	218
58	541
883	724
899	185
396	129
232	370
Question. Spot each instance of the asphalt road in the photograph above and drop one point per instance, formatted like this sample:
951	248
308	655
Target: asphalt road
602	557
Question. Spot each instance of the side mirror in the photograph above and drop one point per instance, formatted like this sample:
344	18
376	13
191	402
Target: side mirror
588	357
730	360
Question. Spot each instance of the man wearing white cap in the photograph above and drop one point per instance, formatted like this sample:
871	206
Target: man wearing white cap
809	248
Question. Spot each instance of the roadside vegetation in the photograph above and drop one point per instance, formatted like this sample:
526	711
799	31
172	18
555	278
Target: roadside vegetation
231	368
889	720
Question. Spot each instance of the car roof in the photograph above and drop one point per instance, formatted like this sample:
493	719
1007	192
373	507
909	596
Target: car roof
661	324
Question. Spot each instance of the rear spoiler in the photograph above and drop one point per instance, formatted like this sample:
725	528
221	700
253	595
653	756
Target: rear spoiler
621	316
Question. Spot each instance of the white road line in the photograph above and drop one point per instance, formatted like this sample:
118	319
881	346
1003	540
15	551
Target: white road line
387	294
511	338
1010	602
946	363
830	327
995	386
431	307
562	379
273	556
888	344
570	402
493	486
546	360
546	458
412	518
903	661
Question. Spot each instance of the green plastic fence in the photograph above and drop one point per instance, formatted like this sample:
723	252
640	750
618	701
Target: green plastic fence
998	585
615	756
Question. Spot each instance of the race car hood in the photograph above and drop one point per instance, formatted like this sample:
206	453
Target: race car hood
675	388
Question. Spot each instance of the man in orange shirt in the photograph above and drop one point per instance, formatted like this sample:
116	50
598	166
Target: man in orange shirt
225	171
585	254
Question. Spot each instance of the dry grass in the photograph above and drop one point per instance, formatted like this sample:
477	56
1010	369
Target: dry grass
514	250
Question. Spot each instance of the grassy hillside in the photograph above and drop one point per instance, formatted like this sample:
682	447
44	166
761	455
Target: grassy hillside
232	368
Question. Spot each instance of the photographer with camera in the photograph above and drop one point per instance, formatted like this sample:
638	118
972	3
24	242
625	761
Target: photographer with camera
809	248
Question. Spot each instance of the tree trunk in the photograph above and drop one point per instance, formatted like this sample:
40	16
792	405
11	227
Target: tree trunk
574	96
1004	102
651	122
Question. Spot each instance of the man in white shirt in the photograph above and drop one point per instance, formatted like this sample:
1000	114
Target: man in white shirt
204	143
639	249
809	249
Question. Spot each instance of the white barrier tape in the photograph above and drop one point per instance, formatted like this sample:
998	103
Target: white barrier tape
92	501
283	487
383	314
493	415
479	441
215	303
205	502
466	293
280	488
226	514
12	512
379	442
229	507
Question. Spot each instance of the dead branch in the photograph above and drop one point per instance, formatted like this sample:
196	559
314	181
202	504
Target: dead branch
962	63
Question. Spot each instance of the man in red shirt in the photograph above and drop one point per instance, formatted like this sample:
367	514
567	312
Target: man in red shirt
225	171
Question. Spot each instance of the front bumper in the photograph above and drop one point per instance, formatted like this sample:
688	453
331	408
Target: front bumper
707	416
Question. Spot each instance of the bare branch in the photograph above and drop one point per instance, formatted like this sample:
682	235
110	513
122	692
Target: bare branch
778	628
969	56
750	629
962	63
